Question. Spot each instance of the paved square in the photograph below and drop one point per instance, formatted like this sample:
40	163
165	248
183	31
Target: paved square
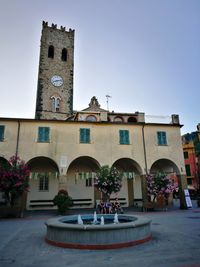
175	243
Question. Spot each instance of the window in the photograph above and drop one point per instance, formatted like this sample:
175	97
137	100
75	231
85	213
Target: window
64	54
85	135
124	137
55	104
162	138
43	134
88	182
51	52
2	129
91	118
185	155
43	182
189	181
187	168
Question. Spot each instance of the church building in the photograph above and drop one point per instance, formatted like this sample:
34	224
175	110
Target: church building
65	148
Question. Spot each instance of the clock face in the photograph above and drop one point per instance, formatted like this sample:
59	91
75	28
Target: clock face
56	80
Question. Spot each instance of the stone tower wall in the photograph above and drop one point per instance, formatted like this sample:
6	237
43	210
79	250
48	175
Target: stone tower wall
59	39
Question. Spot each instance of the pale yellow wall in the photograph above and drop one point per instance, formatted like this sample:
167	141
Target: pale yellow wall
104	148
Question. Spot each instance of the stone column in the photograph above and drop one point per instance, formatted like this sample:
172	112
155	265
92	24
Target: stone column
144	188
182	183
63	179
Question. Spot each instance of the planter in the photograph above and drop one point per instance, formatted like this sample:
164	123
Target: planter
15	211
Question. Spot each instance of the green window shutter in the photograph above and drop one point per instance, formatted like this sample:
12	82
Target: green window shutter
162	138
2	129
124	137
43	134
185	153
187	168
85	135
121	137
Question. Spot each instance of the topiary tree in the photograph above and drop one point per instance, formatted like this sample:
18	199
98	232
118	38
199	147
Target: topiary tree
108	180
63	201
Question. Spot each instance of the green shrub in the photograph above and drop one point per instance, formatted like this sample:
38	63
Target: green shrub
63	201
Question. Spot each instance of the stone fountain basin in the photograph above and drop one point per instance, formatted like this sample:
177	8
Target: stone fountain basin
63	232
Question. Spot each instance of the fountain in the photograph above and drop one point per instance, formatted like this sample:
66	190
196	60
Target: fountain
116	218
80	221
98	231
95	218
102	220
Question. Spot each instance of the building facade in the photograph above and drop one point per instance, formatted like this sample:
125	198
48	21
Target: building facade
64	149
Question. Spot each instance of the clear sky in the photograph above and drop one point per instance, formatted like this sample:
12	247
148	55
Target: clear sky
144	53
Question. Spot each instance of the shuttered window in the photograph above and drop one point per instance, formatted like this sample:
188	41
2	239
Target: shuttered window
43	134
2	129
85	135
124	137
161	138
187	168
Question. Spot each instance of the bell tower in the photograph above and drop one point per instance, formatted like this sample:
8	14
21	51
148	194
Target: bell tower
55	77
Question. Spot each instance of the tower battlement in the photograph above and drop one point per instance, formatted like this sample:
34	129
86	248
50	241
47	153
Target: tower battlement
54	26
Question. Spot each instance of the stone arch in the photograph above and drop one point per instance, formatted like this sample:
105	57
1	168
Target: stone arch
132	119
80	181
169	168
44	182
132	184
164	165
4	161
118	119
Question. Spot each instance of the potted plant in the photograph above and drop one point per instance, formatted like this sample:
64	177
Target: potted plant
14	183
63	201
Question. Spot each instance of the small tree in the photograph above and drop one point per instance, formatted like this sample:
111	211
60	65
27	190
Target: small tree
160	184
108	180
63	201
14	179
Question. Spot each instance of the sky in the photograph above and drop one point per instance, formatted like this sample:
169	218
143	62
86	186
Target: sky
145	54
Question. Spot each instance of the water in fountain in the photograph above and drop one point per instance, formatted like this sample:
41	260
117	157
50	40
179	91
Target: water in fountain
102	220
95	218
80	221
116	218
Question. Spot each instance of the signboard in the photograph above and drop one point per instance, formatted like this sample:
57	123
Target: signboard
187	198
63	162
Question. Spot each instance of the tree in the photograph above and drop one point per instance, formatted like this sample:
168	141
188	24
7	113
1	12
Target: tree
14	179
160	184
108	180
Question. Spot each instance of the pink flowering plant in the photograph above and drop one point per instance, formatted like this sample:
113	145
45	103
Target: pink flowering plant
160	184
108	180
14	179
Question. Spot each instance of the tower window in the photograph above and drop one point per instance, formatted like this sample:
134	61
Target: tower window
64	54
55	104
51	52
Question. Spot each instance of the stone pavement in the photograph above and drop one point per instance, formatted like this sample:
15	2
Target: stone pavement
175	243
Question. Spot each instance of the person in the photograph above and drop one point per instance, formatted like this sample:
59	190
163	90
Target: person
117	207
101	208
108	207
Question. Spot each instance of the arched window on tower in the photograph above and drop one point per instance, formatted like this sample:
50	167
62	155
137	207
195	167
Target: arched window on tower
55	103
64	54
51	52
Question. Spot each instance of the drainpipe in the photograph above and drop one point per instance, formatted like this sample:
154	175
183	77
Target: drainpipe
144	190
17	143
144	147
